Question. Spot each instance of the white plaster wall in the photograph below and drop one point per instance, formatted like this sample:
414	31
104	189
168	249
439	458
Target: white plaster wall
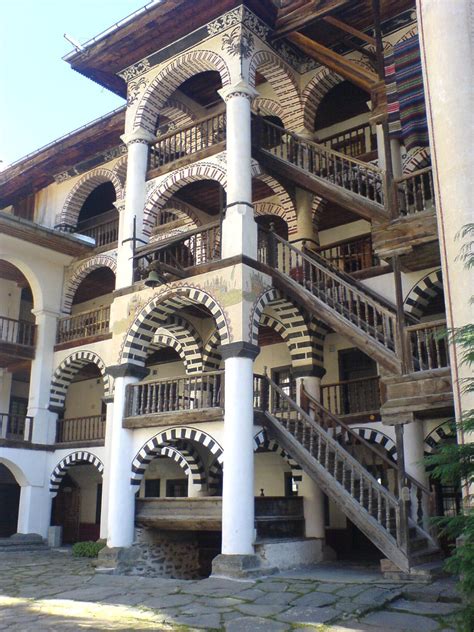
270	471
84	398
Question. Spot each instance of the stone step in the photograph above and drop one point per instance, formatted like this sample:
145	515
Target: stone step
23	542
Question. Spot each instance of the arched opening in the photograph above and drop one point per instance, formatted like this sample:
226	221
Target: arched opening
342	121
83	417
98	217
9	502
17	350
77	506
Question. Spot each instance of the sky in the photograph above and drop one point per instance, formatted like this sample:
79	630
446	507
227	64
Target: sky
42	98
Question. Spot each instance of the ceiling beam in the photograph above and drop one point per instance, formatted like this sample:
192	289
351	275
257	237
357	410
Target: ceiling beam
342	26
305	15
365	79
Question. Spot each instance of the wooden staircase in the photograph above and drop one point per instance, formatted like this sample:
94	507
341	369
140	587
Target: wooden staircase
355	185
346	305
324	447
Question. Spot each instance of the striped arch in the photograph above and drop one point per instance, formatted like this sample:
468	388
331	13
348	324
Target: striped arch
423	292
174	181
80	273
211	358
270	208
120	170
281	78
67	218
67	370
80	457
269	107
262	443
214	477
169	439
180	334
376	437
177	113
323	81
438	435
170	78
416	158
284	197
159	310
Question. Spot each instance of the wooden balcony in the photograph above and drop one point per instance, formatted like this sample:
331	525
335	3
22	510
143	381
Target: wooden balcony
17	340
351	255
81	429
103	228
358	142
188	399
275	517
16	428
354	400
84	327
416	192
428	344
177	148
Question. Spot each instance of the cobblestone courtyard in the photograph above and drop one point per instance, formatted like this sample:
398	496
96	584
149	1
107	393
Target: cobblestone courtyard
53	591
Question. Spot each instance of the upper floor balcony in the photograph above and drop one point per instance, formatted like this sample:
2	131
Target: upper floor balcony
15	428
17	338
103	229
83	327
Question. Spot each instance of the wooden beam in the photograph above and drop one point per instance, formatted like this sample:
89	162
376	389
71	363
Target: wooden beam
339	24
305	15
365	79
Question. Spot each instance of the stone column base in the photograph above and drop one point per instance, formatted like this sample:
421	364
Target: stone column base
239	567
115	560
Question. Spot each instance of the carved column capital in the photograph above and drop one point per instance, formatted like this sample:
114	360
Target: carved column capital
138	135
239	89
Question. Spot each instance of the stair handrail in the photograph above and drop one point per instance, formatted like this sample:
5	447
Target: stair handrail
346	428
156	246
322	148
344	455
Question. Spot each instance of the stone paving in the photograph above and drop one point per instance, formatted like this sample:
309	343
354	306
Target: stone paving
53	591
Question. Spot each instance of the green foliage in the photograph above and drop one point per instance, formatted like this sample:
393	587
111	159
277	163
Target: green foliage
87	549
454	465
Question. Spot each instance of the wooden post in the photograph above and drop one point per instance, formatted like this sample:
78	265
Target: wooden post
402	346
390	192
402	536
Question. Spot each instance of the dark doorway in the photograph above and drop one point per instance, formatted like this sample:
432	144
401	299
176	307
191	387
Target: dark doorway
66	508
9	502
358	394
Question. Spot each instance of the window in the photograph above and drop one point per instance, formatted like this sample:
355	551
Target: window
177	488
152	488
284	379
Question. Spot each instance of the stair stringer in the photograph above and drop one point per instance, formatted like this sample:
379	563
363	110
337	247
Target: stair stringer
341	325
384	541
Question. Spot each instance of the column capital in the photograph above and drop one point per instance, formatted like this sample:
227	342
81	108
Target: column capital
138	135
239	350
119	204
45	311
239	89
127	370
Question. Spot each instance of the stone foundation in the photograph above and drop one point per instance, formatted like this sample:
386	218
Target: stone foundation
170	554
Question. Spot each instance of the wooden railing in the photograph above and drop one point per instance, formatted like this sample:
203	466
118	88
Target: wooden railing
428	343
185	250
350	255
193	138
83	325
351	397
190	392
103	228
90	428
354	141
16	427
355	303
17	332
349	173
416	192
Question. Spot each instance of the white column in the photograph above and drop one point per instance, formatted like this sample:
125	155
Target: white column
448	71
104	514
44	421
238	533
304	217
121	495
414	441
137	162
239	229
5	390
34	513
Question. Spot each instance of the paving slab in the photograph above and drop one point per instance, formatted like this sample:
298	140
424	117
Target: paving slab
255	624
261	610
400	621
431	608
315	600
306	614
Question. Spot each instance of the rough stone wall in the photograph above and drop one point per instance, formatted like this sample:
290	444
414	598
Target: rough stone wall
156	553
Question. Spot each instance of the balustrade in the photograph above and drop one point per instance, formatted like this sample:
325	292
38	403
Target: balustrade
350	255
198	136
90	428
16	427
428	343
83	325
350	397
17	332
355	141
103	228
416	192
337	168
